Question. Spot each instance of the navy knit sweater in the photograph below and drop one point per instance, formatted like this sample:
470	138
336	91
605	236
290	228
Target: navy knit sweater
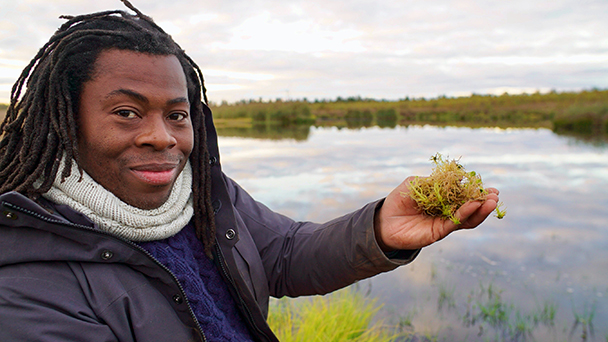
207	292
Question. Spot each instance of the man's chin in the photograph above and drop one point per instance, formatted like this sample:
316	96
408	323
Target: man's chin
146	201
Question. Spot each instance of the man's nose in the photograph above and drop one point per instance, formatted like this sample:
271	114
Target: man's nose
156	133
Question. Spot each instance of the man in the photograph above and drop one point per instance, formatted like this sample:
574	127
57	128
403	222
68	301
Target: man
118	224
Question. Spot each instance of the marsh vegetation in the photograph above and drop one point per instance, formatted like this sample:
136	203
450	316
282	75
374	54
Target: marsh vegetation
580	114
352	315
446	189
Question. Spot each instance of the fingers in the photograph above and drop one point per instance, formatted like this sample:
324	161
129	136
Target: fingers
466	210
472	214
493	191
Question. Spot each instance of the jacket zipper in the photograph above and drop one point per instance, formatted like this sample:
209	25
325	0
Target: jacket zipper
227	275
130	243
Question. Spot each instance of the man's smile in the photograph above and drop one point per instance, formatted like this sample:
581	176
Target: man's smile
156	174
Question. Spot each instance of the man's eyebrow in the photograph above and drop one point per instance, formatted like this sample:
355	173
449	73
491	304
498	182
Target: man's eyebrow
178	100
129	93
142	98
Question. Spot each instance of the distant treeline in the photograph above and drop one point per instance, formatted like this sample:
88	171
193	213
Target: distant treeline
585	111
581	114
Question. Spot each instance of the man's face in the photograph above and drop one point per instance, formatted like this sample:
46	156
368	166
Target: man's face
134	128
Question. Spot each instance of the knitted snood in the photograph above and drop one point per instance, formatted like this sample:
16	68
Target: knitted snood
115	216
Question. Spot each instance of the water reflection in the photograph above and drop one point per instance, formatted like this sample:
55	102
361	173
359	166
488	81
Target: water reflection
597	140
267	131
355	120
551	251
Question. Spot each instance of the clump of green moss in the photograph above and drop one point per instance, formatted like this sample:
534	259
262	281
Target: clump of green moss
447	188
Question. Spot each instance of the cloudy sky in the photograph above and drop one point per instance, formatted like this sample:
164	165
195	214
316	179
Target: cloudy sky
321	49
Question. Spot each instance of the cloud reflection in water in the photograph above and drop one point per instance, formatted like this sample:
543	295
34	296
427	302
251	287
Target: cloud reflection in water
552	245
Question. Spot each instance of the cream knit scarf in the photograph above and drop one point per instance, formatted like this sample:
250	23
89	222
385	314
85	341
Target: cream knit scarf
115	216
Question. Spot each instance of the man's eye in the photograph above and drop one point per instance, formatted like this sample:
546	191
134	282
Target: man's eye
177	116
125	113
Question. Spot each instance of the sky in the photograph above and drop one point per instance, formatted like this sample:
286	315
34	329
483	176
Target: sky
322	49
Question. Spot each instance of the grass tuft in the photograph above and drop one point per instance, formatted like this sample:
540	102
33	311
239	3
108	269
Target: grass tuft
345	315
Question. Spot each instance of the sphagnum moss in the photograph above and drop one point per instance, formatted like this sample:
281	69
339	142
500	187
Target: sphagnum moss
447	188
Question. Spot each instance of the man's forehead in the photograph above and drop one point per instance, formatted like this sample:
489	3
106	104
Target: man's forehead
136	67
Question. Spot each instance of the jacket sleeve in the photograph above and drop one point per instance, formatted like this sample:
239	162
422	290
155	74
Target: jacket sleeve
305	258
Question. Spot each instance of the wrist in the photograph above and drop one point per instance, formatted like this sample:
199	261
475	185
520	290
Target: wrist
378	230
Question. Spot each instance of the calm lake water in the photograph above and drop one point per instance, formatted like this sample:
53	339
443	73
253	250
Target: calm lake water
540	273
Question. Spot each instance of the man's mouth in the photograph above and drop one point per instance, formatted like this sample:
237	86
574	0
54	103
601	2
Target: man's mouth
160	174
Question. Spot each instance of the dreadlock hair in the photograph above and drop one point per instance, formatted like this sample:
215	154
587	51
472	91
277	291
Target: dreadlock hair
40	129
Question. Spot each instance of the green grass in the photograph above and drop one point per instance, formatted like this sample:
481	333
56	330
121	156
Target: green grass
584	321
487	308
525	110
586	121
446	297
345	315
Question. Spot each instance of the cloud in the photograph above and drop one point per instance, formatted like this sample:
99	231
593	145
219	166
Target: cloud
387	49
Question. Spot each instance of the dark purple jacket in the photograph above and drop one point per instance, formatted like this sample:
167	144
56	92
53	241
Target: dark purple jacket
62	279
